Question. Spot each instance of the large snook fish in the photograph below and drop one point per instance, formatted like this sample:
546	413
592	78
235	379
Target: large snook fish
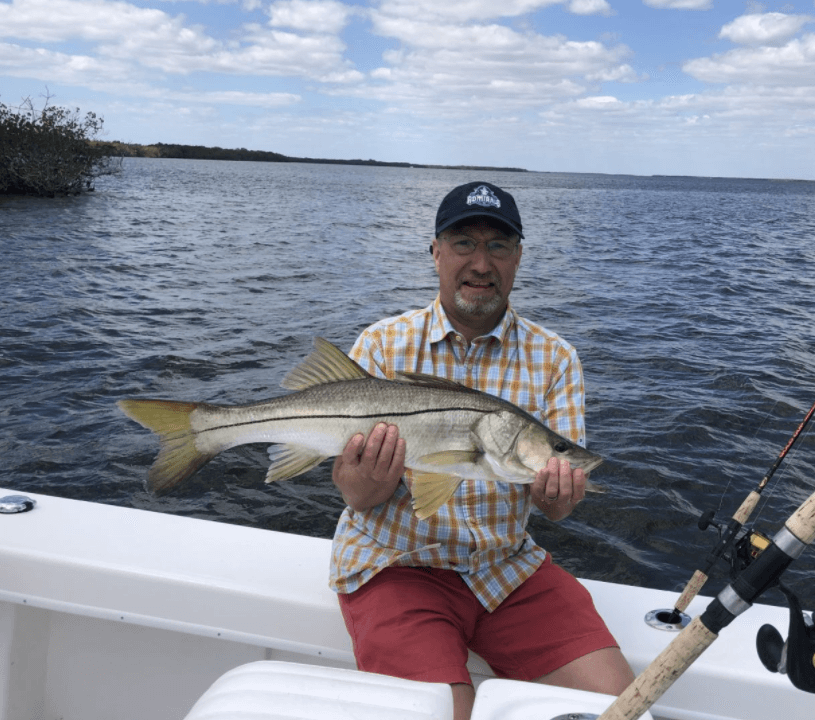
452	432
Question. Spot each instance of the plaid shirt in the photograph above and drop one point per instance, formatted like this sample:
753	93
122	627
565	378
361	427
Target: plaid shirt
481	532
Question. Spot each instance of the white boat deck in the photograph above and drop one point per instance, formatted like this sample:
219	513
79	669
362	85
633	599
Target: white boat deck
109	612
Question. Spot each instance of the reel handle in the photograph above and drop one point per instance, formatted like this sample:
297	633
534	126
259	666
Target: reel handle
706	520
796	656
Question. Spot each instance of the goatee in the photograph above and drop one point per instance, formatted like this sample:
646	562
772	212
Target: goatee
478	308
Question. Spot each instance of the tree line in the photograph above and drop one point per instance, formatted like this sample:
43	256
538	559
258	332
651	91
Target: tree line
201	152
52	151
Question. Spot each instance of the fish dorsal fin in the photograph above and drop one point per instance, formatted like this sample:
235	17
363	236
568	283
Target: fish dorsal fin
431	381
325	364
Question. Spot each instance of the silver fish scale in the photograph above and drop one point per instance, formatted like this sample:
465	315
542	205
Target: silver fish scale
324	417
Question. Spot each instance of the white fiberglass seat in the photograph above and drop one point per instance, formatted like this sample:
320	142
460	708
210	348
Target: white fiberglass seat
271	690
516	700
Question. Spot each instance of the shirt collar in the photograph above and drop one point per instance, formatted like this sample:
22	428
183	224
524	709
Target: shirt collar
441	327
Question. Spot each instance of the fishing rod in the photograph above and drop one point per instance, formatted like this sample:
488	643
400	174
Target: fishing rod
729	533
764	572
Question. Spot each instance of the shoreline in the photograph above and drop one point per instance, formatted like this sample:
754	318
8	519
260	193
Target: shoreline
200	152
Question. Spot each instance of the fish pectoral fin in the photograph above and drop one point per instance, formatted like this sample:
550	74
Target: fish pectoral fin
291	460
594	487
466	463
449	460
325	364
430	491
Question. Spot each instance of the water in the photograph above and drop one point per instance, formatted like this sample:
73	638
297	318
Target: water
690	301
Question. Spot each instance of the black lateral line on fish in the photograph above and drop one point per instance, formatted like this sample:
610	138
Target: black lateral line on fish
366	416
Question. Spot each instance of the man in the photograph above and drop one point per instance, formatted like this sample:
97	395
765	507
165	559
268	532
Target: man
416	594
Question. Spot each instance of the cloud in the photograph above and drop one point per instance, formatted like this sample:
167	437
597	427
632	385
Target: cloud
467	11
59	67
764	29
313	16
600	102
233	97
436	71
95	20
129	39
261	52
511	69
589	7
108	76
792	64
680	4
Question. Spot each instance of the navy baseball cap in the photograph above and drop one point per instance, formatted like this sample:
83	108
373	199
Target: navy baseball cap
479	199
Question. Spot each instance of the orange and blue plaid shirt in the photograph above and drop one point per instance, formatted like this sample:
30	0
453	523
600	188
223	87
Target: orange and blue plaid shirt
481	532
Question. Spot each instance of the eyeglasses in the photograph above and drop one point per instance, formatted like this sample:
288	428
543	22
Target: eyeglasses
498	248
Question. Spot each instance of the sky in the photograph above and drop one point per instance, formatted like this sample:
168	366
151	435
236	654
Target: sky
644	87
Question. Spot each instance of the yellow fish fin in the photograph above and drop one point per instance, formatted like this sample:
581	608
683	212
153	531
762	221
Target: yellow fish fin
325	364
430	491
178	458
291	460
466	463
449	460
428	380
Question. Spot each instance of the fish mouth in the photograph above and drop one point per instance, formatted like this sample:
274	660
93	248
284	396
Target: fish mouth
590	486
592	465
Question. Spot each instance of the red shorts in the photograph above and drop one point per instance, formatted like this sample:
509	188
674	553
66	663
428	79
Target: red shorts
418	623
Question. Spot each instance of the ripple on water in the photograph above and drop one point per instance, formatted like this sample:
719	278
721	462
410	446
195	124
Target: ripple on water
689	300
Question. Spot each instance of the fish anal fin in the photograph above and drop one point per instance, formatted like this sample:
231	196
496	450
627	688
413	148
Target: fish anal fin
178	457
326	363
430	491
291	460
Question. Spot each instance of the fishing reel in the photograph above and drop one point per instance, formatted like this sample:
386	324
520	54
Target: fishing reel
739	546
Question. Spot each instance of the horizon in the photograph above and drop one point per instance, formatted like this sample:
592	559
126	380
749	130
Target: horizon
691	88
373	162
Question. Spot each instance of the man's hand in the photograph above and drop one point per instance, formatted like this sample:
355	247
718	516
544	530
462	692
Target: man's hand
368	471
557	489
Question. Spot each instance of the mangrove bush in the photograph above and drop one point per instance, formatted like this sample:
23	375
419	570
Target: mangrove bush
51	151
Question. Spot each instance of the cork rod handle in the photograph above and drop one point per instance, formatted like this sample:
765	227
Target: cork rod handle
655	680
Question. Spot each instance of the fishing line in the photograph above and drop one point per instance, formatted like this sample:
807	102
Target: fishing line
726	490
740	461
770	413
777	483
729	532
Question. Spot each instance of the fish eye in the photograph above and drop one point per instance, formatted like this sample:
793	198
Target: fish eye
561	447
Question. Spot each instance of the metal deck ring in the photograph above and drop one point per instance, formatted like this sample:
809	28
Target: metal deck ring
11	504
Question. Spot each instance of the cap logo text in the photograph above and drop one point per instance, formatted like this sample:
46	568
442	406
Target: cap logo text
483	196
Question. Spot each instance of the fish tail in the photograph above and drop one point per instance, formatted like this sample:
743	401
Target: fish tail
178	457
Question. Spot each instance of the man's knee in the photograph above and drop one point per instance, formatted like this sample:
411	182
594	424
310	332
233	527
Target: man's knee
605	671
